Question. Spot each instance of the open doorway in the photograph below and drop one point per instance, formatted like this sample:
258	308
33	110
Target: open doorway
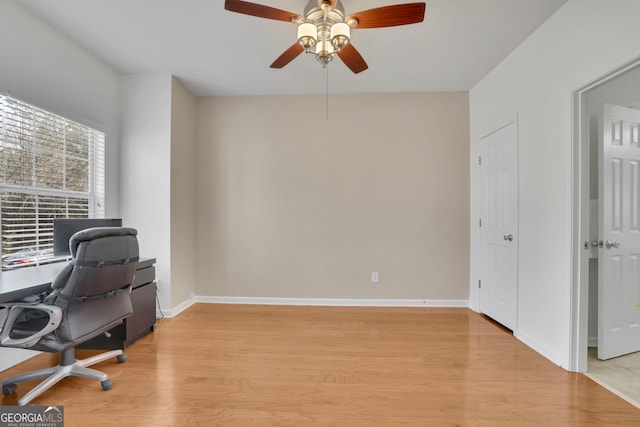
620	374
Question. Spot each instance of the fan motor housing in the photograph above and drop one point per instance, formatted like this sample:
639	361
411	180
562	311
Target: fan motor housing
314	14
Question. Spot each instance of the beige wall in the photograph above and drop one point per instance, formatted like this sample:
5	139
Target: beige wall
294	205
183	193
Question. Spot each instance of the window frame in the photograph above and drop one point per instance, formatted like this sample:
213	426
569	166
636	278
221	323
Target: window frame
95	146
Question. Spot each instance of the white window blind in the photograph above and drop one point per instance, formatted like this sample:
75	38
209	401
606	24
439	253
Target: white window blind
50	167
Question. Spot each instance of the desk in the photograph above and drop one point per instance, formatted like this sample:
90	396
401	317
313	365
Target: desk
143	299
15	285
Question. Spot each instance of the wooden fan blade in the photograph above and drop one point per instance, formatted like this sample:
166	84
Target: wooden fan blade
390	16
288	56
260	11
352	59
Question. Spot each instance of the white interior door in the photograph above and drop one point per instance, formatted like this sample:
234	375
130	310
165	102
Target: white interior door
498	294
618	232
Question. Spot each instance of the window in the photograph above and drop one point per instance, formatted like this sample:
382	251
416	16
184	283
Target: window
50	167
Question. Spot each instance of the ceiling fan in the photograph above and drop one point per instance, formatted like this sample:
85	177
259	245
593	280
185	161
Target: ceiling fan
325	30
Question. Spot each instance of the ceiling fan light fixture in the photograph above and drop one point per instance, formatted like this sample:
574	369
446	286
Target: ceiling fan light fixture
324	30
340	35
307	35
324	52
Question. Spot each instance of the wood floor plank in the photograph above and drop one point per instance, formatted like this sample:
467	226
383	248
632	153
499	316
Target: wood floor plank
248	365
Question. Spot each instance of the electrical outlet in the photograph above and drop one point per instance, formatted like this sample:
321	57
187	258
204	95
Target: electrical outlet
374	277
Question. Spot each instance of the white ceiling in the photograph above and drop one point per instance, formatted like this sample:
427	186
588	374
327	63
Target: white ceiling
216	52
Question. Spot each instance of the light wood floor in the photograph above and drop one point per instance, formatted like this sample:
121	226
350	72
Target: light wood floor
235	365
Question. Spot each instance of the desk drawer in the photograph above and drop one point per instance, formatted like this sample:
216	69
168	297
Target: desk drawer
144	276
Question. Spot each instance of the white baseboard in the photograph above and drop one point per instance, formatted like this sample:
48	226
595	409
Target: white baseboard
473	305
330	302
173	312
593	341
342	302
535	345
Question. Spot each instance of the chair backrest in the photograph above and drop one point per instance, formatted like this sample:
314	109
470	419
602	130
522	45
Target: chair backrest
94	289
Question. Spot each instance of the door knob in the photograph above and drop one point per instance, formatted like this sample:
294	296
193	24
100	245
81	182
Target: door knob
509	237
609	244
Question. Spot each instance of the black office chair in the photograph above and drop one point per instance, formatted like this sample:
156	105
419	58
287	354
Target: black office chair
89	297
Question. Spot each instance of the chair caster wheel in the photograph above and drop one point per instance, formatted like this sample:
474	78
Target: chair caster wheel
107	384
7	389
121	358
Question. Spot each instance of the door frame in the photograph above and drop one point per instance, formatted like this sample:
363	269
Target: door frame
580	217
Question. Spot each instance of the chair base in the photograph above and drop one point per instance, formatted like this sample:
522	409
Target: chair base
54	374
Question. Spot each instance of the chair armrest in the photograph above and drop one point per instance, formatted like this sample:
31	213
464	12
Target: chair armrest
55	317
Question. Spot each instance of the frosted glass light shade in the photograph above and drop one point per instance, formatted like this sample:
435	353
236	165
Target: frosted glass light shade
324	48
324	51
307	35
340	35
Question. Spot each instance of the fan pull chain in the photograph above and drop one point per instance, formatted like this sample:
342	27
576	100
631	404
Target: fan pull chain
327	92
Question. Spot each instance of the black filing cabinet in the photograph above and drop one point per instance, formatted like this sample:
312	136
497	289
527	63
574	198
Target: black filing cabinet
143	299
142	320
